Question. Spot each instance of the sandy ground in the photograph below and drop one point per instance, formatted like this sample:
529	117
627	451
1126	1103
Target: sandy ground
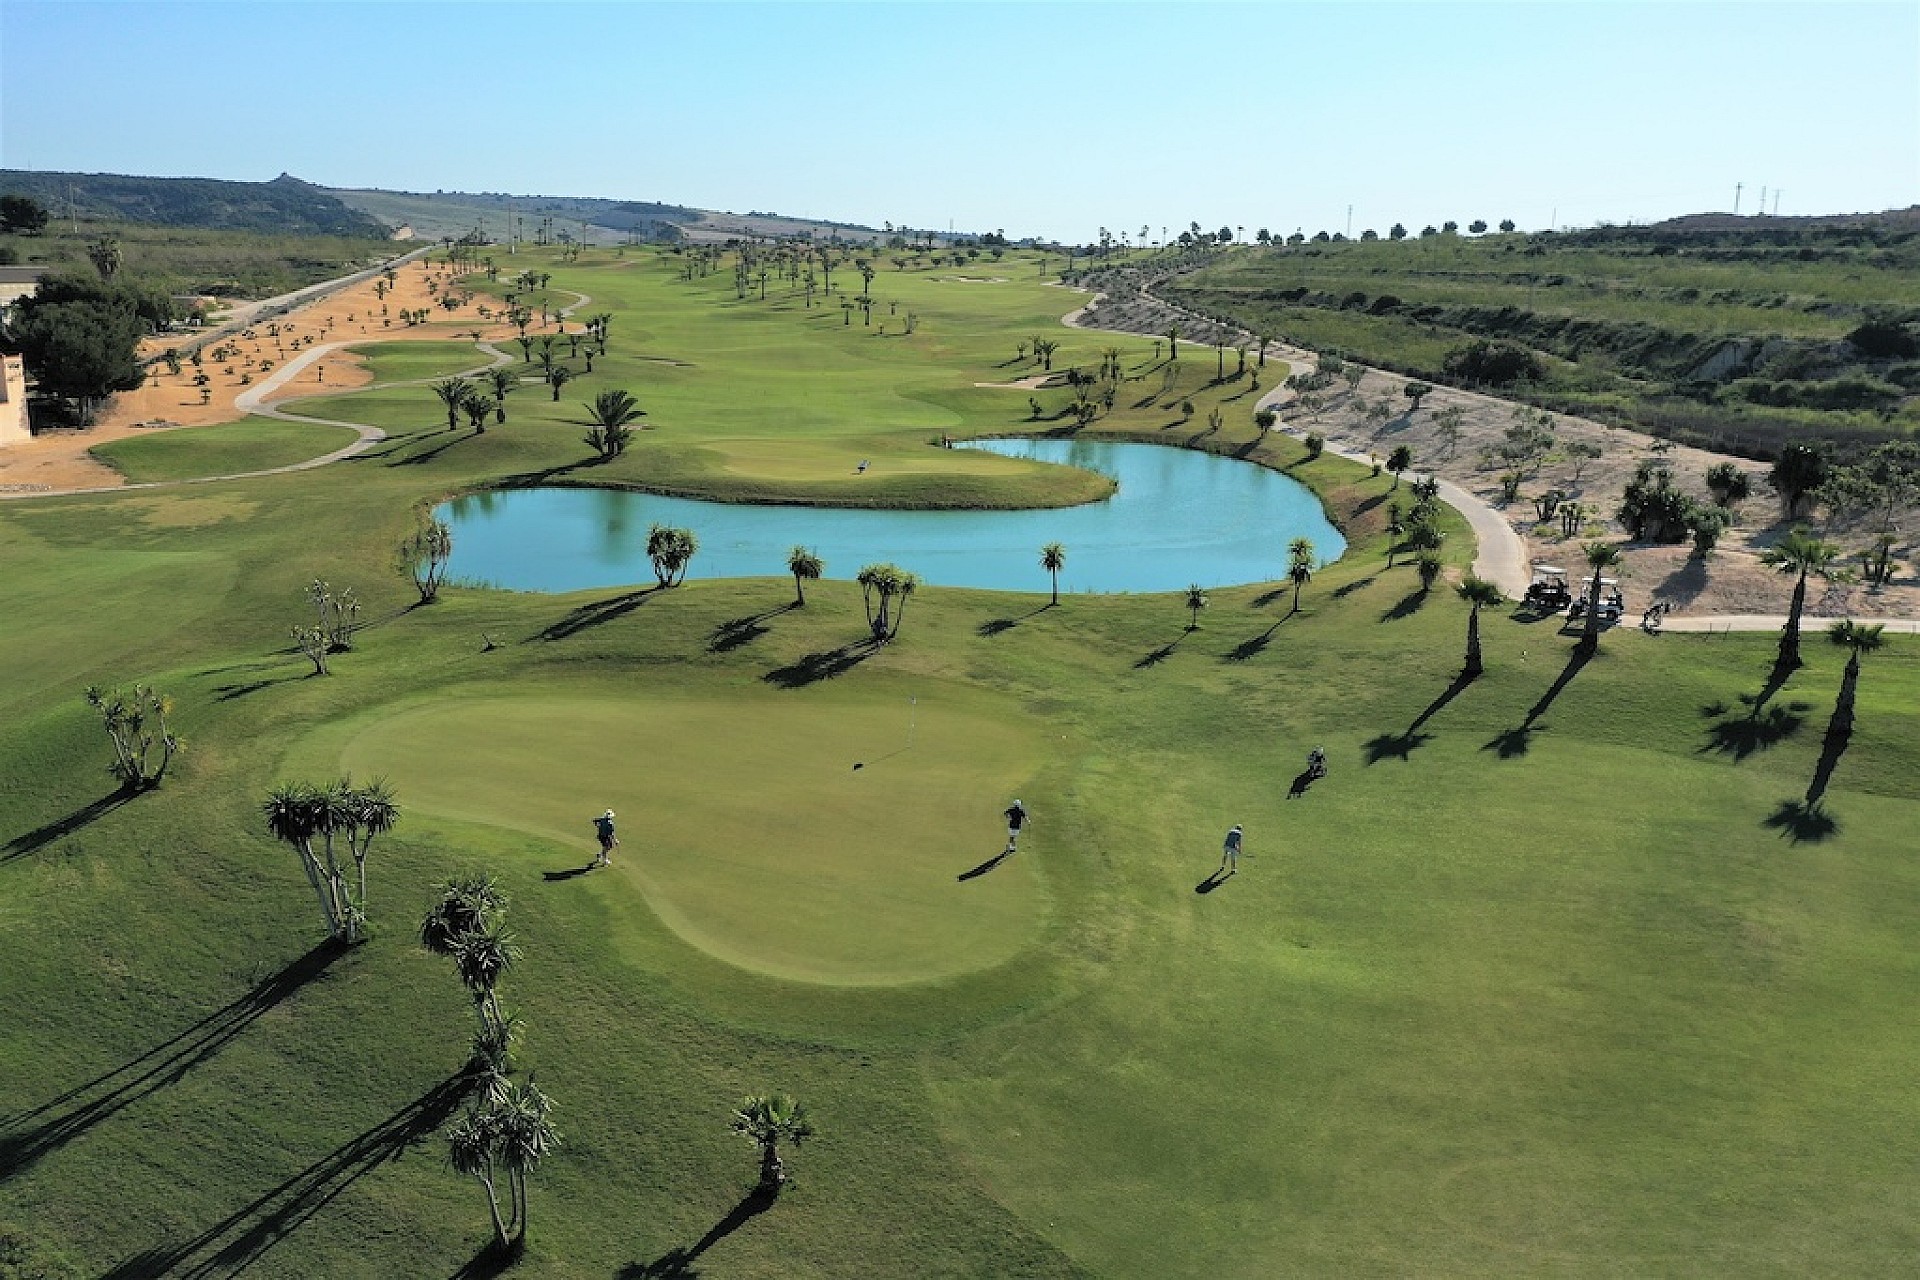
1730	581
59	459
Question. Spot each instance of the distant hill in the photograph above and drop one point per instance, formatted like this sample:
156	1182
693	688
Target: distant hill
285	206
587	218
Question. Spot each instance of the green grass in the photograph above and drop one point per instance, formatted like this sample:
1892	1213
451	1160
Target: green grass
230	449
1537	990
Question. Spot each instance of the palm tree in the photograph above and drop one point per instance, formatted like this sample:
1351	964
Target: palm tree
372	812
453	393
1196	601
1601	556
471	1143
466	906
1053	558
881	585
1428	565
1300	558
558	377
671	551
1857	638
526	1138
503	382
805	567
1479	594
1798	553
1173	342
766	1120
483	957
294	814
477	407
610	413
1399	460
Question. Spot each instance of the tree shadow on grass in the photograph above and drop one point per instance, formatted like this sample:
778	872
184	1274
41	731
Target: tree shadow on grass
28	1135
428	455
595	614
735	632
1154	657
998	626
235	1243
228	692
1401	746
492	1260
821	666
1407	605
1358	584
46	833
1762	728
678	1263
1516	741
1802	823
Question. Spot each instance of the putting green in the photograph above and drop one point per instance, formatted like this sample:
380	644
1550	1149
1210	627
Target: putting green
743	820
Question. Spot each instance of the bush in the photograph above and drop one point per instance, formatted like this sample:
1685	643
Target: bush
1495	364
1316	445
1653	509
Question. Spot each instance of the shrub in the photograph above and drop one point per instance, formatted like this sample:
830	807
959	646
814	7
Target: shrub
1316	445
1653	509
1497	364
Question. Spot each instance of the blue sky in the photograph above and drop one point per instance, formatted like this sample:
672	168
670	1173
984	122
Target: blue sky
1051	119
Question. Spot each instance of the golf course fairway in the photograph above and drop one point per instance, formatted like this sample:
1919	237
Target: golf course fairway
863	835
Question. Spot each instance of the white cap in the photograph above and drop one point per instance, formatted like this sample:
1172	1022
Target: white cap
607	814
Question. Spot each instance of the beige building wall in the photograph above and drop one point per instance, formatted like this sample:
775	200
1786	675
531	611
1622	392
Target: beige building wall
13	402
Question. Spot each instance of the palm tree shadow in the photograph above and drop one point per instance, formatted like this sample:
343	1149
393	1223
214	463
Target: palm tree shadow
735	632
45	834
1406	606
1342	592
26	1136
1253	646
821	666
492	1260
1401	746
1516	741
678	1264
428	455
241	1239
1761	729
1832	747
999	625
596	613
1155	657
1802	823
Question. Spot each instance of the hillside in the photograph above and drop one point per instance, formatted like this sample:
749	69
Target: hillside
1733	334
284	206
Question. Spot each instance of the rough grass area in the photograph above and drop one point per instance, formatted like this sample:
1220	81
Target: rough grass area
1579	967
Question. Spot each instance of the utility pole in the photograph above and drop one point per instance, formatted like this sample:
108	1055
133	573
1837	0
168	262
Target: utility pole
1763	202
510	244
1776	202
1736	197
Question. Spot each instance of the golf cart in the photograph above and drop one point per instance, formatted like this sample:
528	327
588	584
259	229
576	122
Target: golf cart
1612	604
1548	591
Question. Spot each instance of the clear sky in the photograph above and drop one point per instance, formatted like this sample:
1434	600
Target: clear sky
1049	119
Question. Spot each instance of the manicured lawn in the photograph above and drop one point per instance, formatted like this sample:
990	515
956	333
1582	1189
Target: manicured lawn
230	449
1536	981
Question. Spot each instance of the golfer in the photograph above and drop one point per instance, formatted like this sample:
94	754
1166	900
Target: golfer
1230	852
603	827
1016	819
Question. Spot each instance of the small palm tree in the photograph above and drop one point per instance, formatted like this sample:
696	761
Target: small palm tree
295	815
471	1144
1300	559
482	958
558	377
503	382
466	906
477	406
1398	461
1858	639
671	551
805	567
1601	556
1053	558
1798	553
1428	565
527	1137
453	392
767	1120
1479	594
1196	601
610	413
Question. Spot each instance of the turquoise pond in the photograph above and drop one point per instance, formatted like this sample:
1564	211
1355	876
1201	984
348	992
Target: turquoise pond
1179	516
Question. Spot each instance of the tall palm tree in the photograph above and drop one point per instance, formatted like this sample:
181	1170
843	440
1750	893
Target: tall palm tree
1479	594
472	1141
373	812
453	393
1799	553
482	958
1300	558
805	567
1601	556
294	813
1857	638
767	1120
1196	601
1053	558
527	1137
503	382
468	905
